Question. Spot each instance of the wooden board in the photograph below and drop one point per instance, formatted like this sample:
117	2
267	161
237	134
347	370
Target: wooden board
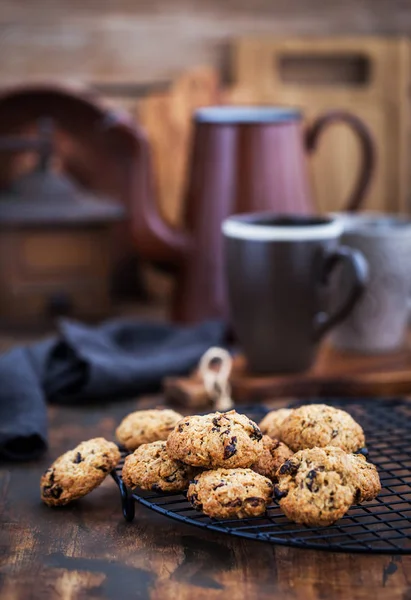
366	76
166	117
334	374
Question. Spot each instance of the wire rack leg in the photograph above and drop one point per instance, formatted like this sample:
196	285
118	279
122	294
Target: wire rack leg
127	502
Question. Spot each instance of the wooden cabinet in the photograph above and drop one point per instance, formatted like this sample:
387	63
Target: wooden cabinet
50	272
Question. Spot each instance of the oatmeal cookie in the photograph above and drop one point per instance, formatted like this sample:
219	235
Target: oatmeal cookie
78	471
230	493
317	486
271	424
367	480
319	425
145	426
216	440
150	468
274	454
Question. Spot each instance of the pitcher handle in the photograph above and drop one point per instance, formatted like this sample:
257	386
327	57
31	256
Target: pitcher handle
368	149
357	266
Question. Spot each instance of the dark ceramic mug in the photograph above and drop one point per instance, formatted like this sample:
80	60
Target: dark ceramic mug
278	270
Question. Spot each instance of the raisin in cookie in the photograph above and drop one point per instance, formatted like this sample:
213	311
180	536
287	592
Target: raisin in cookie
230	493
274	454
78	471
271	424
367	480
216	440
318	425
150	468
317	486
145	426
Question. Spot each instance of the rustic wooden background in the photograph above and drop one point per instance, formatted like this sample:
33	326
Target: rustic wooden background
111	42
126	49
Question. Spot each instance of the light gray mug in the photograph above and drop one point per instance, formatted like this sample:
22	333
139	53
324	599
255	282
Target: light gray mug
378	322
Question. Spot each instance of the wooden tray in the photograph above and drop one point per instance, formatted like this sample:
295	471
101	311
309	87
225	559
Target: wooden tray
334	374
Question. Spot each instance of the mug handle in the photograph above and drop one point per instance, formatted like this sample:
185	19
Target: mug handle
357	267
367	148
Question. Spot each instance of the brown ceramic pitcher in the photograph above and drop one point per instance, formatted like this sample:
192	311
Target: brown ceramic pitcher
243	159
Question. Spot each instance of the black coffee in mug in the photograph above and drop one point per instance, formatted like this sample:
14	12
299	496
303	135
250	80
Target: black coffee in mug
278	272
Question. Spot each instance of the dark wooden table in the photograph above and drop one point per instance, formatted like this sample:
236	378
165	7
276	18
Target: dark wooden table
87	550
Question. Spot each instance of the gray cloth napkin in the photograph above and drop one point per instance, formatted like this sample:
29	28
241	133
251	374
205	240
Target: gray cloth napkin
82	364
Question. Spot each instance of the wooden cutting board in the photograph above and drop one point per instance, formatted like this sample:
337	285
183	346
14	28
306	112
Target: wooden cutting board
334	374
166	117
367	76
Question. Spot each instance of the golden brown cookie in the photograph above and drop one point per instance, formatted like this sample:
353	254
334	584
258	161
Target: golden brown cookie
216	440
274	454
317	486
230	493
366	479
145	426
78	471
319	425
271	424
150	468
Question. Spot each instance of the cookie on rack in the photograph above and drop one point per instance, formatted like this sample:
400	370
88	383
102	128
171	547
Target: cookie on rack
145	426
274	454
150	468
78	471
271	424
317	486
319	425
229	440
366	478
230	493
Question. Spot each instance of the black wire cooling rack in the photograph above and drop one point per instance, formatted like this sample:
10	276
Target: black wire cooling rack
380	526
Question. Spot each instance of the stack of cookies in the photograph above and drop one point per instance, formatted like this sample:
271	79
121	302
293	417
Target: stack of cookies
328	472
211	455
308	458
